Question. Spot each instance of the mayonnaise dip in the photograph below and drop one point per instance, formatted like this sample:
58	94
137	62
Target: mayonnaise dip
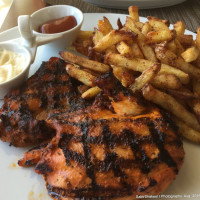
11	64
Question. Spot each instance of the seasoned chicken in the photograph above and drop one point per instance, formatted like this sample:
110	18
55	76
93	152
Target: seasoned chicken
22	117
115	146
98	152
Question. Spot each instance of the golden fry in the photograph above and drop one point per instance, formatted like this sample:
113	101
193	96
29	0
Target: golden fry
124	75
84	35
168	57
196	86
81	75
179	28
158	24
146	28
145	77
105	26
198	38
146	49
113	38
179	47
195	104
140	65
91	93
98	35
137	53
170	104
190	54
124	49
182	93
172	46
164	81
158	36
89	64
133	12
186	40
187	132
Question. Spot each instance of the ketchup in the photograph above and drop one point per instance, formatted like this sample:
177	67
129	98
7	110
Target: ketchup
58	25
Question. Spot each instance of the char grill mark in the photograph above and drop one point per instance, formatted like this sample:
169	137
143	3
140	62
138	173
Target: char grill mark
88	155
25	110
112	161
158	138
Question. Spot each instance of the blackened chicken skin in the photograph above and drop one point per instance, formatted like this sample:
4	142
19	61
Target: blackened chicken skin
101	148
101	154
23	114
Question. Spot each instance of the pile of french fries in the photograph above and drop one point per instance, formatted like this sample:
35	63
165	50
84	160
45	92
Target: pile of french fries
161	63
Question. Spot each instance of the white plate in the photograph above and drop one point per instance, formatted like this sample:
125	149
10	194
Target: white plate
23	184
142	4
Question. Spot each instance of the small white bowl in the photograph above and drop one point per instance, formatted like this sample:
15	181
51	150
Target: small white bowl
21	77
31	38
55	12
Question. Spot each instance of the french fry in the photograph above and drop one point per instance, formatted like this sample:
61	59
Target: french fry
139	25
98	35
136	52
119	24
158	36
164	81
140	65
158	24
196	86
187	132
79	47
124	49
81	75
113	38
146	49
165	21
170	104
91	93
172	46
182	93
161	31
105	26
146	28
179	47
145	77
84	35
179	27
131	25
195	105
89	64
198	38
124	75
190	54
168	57
133	12
196	63
186	40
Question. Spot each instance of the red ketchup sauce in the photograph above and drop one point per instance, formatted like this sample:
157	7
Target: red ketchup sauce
58	25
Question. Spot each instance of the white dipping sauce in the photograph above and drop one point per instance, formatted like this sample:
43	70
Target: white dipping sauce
11	64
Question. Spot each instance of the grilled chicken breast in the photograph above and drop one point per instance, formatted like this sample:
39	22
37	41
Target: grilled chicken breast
113	147
100	154
23	114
